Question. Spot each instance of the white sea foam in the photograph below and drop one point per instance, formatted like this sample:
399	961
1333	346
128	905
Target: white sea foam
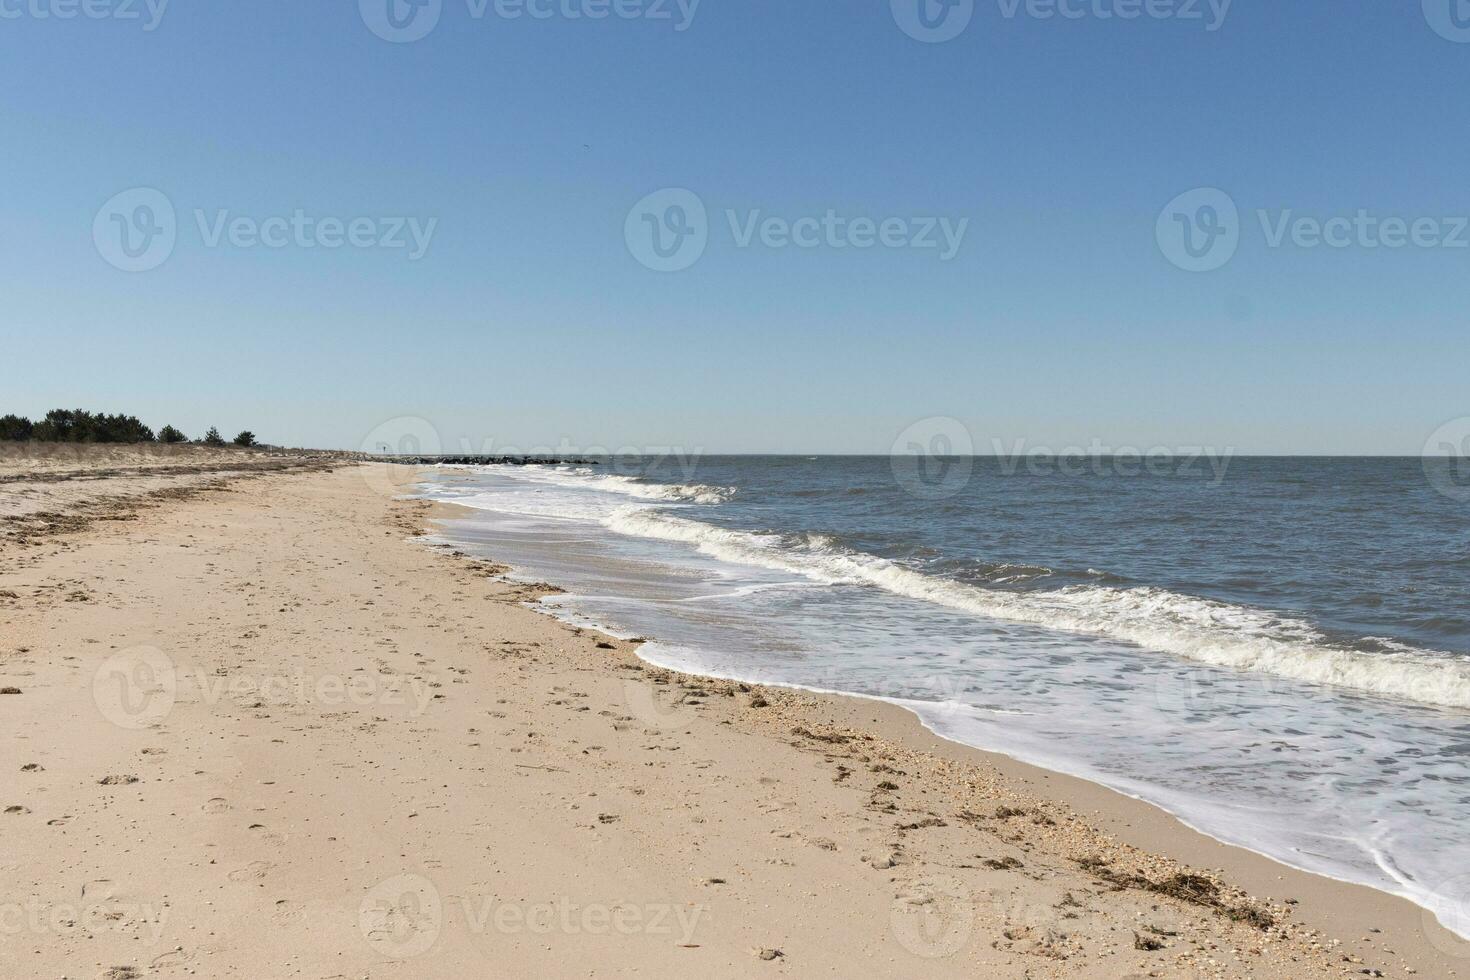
588	479
1203	630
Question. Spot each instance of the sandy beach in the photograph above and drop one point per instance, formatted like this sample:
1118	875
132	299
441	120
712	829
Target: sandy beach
257	727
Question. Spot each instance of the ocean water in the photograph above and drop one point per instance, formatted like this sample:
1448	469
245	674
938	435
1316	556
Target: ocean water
1275	650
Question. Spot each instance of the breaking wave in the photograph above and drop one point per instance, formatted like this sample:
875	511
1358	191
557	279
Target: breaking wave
589	479
1202	630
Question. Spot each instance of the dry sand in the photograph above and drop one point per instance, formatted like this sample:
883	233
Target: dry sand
267	732
50	487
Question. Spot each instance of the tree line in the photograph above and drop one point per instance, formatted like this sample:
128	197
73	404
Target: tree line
78	425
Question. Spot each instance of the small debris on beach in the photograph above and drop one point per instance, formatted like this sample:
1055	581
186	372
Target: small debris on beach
831	739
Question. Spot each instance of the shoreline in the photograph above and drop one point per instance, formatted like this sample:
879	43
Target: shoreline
267	731
1030	767
1337	906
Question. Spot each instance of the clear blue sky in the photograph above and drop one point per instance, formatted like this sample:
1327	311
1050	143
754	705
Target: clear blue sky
528	321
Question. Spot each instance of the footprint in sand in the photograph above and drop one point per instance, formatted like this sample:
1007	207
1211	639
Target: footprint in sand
286	913
253	871
217	805
175	957
274	837
99	889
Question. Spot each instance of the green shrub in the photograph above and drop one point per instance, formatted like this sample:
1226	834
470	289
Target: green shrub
78	425
171	435
246	438
14	428
213	438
